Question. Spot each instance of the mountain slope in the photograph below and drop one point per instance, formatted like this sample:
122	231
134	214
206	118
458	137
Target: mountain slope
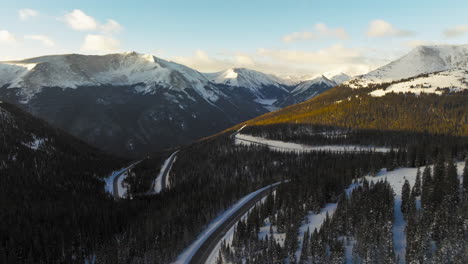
306	90
54	207
421	60
129	103
436	102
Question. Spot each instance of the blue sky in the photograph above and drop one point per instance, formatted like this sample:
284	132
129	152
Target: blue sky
283	37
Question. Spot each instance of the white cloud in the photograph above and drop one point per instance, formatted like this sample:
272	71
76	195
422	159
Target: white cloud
46	41
456	31
333	54
26	13
380	28
7	37
286	62
100	44
111	26
320	31
78	20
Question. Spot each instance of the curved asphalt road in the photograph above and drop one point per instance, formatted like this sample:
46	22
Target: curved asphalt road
202	254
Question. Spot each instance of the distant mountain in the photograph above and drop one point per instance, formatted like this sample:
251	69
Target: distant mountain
132	104
262	85
424	91
129	103
443	66
340	78
306	90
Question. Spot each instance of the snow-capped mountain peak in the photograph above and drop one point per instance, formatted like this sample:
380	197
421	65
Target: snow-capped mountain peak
74	70
421	60
339	78
262	85
243	77
321	80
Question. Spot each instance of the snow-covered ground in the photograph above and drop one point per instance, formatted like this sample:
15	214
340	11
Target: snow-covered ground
396	179
265	231
454	80
242	139
314	221
188	253
421	60
158	182
36	143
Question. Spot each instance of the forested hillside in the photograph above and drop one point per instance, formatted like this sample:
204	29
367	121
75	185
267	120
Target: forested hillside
355	108
53	204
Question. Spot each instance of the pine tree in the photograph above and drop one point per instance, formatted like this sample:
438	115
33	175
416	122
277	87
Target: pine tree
426	191
465	180
452	184
417	183
405	198
439	181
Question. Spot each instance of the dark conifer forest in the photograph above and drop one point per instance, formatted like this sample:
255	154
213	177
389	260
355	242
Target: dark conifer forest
55	208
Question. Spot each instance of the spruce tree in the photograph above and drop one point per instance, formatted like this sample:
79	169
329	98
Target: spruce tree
405	198
426	191
417	183
452	184
465	180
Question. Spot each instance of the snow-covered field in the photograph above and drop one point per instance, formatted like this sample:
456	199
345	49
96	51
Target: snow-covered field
248	140
396	179
454	80
421	60
188	253
314	221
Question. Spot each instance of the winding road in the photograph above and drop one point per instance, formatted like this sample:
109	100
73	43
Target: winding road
204	251
115	183
162	177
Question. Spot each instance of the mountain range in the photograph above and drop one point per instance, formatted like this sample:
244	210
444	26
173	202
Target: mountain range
132	104
423	91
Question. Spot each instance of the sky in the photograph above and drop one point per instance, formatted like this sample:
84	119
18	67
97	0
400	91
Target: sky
295	37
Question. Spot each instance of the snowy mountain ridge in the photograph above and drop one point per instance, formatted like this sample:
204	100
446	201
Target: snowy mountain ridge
129	68
421	60
322	80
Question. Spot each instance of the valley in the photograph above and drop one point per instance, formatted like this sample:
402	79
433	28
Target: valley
126	157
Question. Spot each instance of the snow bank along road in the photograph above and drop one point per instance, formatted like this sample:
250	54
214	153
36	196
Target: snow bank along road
115	182
160	183
200	250
242	139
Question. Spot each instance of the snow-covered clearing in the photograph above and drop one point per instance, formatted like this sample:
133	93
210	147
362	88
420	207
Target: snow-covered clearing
313	221
188	253
396	179
158	182
248	140
454	80
265	230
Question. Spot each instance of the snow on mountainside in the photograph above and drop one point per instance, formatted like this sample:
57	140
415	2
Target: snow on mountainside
454	80
304	86
421	60
130	68
339	78
242	77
